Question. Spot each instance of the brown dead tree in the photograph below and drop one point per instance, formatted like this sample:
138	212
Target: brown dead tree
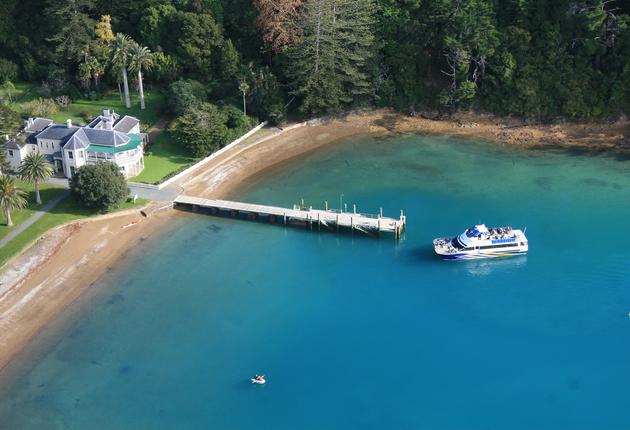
277	22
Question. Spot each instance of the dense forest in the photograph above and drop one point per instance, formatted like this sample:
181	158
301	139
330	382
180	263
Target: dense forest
536	59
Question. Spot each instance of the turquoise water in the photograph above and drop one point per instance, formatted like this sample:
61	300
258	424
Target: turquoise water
355	332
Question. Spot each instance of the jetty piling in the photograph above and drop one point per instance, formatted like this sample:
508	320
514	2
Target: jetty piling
335	220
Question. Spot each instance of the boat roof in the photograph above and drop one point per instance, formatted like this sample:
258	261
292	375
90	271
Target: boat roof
480	232
477	230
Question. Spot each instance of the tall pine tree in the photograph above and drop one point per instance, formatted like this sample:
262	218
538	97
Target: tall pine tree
331	66
73	28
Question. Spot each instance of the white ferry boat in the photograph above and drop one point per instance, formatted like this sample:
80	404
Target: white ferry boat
481	242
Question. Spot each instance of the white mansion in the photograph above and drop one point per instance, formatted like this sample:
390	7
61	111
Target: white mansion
108	137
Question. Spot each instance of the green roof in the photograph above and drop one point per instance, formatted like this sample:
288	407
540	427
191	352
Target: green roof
134	141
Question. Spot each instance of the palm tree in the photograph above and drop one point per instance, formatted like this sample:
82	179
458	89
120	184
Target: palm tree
35	168
141	57
98	70
85	67
120	58
244	88
11	197
90	68
85	74
8	88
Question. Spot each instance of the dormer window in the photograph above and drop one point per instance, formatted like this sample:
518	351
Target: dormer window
10	153
80	154
70	155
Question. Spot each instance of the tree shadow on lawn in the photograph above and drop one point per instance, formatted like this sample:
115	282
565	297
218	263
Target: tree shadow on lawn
46	194
71	208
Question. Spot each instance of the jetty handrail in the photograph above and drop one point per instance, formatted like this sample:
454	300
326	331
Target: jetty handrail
337	211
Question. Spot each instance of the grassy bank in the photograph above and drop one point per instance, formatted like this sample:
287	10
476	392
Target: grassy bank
67	210
47	192
163	158
20	89
83	108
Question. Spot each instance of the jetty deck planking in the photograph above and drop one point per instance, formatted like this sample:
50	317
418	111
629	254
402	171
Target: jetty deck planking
313	217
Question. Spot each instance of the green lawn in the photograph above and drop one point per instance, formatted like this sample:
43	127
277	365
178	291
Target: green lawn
154	100
67	210
162	159
47	193
20	89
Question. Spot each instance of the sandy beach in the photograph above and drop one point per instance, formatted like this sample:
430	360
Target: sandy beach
49	276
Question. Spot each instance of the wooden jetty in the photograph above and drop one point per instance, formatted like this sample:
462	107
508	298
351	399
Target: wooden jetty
298	215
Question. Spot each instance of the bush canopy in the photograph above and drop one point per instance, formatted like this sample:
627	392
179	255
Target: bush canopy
100	186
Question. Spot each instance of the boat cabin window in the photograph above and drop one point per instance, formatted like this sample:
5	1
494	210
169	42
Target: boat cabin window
456	244
499	245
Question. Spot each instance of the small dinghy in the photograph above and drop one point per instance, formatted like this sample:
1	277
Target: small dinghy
259	379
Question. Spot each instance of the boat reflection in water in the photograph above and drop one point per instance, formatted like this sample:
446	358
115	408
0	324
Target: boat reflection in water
488	267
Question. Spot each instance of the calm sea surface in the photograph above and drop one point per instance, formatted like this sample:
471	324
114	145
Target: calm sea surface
359	333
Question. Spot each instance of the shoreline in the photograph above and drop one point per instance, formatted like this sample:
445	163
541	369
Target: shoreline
46	280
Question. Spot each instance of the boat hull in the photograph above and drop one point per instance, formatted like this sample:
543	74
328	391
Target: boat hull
480	255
